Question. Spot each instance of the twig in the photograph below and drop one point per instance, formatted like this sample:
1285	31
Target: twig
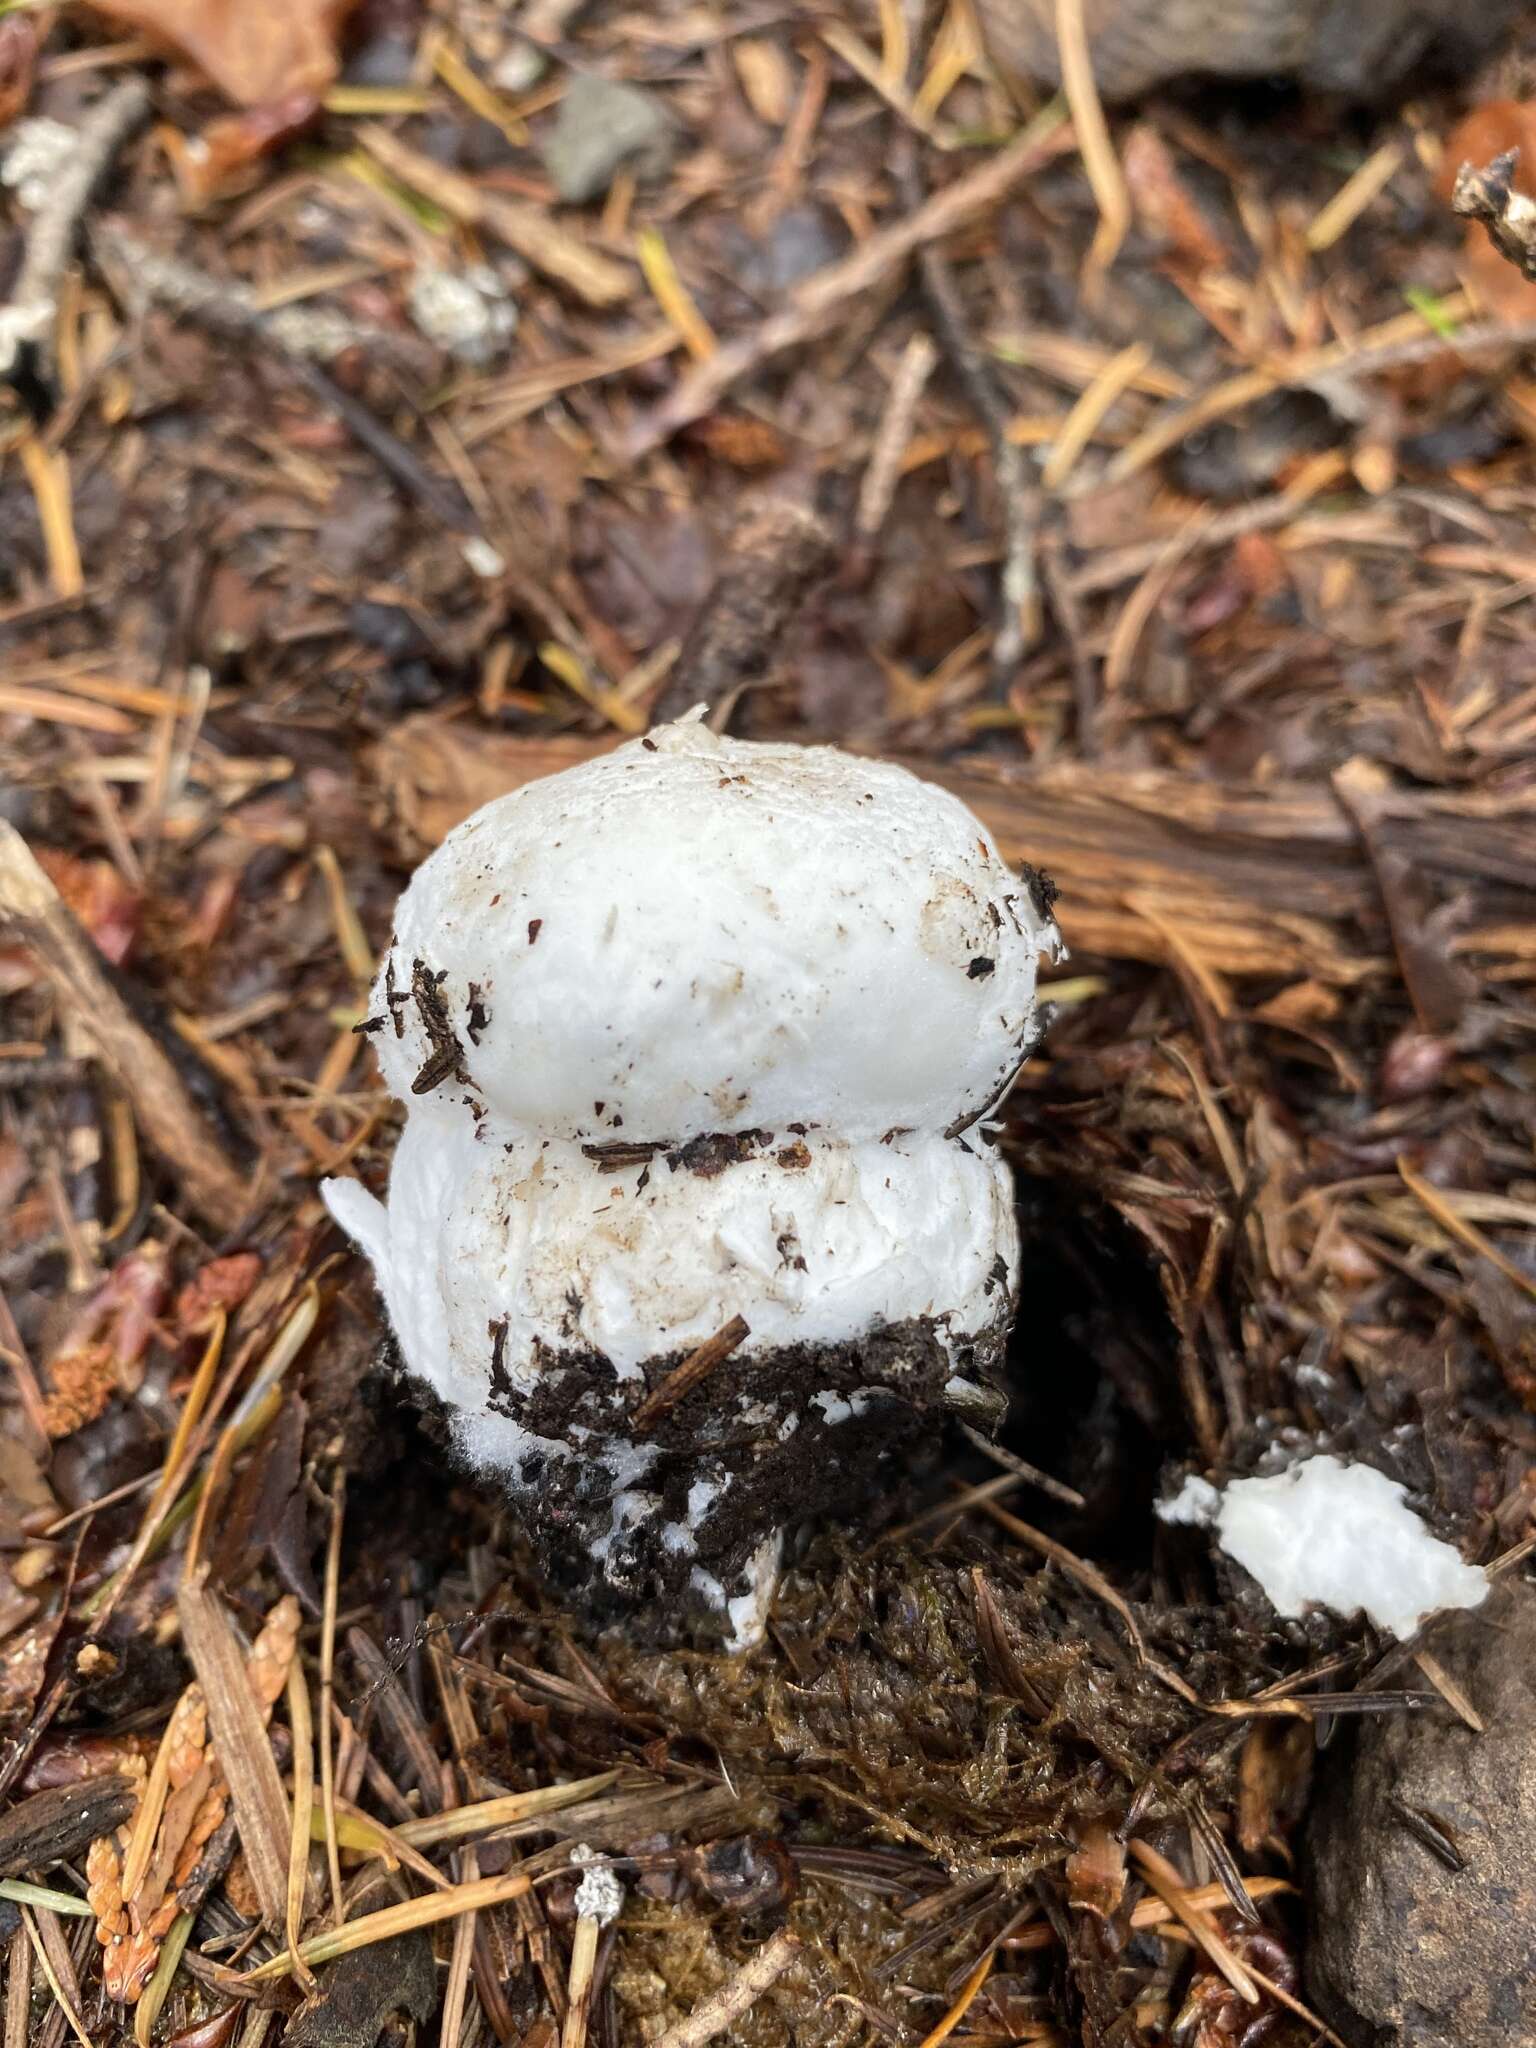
34	300
817	303
1489	195
1021	1467
894	431
1018	620
32	909
693	1370
736	1998
778	555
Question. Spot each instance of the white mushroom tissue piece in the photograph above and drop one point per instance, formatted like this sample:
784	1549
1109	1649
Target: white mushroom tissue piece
694	1228
1336	1535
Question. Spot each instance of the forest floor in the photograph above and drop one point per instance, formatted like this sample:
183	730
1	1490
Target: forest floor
424	427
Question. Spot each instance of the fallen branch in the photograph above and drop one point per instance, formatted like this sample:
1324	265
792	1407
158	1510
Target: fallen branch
814	305
25	322
32	910
777	557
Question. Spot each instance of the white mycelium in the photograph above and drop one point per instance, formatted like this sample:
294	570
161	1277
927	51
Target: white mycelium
1341	1536
699	1030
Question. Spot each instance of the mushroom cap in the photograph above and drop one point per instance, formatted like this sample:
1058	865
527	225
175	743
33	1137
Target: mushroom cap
700	934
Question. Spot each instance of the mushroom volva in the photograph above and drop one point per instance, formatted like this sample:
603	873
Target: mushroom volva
695	1229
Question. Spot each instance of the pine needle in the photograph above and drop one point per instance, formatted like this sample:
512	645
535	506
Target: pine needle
672	295
1098	151
77	2025
1459	1227
48	475
301	1728
487	1814
1169	1886
602	697
962	2005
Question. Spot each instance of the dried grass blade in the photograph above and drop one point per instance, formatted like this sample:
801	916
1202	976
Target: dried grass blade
402	1919
487	1814
332	1600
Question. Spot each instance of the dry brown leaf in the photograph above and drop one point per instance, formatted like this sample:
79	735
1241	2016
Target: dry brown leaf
253	54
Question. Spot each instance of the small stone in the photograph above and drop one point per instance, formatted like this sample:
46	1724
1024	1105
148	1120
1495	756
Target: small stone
1422	1854
603	125
520	66
467	313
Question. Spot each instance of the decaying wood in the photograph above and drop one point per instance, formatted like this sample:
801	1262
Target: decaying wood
49	1827
33	912
239	1735
777	556
1257	879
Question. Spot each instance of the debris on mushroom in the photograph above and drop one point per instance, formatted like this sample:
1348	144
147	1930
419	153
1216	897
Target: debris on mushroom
694	1229
1335	1535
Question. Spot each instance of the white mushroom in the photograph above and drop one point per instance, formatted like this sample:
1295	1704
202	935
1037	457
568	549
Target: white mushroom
697	1039
1337	1535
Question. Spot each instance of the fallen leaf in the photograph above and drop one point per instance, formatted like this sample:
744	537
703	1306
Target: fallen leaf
220	160
253	54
